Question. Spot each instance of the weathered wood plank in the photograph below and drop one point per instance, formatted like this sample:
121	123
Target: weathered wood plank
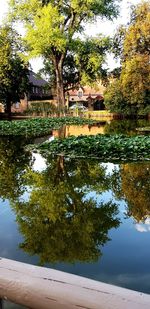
43	288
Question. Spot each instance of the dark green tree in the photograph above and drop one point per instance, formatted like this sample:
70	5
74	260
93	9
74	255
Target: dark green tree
14	80
114	99
75	72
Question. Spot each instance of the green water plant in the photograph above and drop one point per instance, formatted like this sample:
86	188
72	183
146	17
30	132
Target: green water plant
38	126
106	147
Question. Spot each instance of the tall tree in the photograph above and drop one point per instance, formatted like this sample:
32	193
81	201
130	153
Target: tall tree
133	45
13	70
93	52
52	25
135	76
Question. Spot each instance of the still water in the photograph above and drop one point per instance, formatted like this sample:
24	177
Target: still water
81	216
128	127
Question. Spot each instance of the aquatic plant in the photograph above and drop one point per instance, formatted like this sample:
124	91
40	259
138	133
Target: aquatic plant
106	147
38	126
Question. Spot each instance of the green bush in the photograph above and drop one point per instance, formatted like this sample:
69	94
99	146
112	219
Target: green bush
41	109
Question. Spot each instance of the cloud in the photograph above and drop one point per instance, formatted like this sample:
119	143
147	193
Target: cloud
140	227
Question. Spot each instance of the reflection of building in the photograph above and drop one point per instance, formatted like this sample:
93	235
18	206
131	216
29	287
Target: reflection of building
91	98
39	90
76	130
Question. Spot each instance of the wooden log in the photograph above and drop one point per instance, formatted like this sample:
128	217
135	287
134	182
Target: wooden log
43	288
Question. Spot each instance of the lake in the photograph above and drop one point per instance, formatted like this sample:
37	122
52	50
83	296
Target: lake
80	216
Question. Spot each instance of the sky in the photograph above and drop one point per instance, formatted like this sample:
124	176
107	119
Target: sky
104	27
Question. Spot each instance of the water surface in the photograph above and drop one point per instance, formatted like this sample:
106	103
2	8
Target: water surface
77	215
107	126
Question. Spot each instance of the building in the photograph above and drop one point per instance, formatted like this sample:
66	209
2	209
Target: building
39	88
39	91
91	98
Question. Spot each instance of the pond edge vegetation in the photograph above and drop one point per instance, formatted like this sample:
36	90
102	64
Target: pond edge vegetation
39	126
108	148
105	147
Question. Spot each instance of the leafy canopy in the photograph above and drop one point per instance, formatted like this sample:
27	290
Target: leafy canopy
52	28
133	44
92	51
13	70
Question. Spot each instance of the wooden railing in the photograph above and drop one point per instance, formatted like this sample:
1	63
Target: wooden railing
43	288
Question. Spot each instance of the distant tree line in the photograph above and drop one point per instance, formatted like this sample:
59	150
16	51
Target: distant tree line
129	90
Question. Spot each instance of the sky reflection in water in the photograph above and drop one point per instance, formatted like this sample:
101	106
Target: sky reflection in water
113	200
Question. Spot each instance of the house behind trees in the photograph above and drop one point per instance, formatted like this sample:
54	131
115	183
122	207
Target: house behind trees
39	91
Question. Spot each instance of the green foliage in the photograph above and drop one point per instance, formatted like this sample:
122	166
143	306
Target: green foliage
13	70
114	99
118	41
107	148
41	109
132	94
38	127
137	39
93	53
51	28
55	22
135	82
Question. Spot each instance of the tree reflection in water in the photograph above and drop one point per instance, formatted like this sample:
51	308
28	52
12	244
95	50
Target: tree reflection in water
61	221
63	218
132	183
13	164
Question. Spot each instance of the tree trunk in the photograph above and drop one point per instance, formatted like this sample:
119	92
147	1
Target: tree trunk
60	88
58	63
8	107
